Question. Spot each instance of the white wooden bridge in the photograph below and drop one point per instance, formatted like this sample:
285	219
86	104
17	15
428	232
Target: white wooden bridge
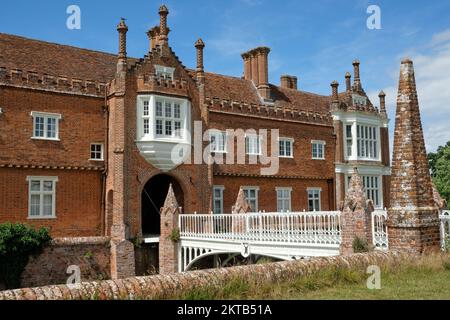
284	236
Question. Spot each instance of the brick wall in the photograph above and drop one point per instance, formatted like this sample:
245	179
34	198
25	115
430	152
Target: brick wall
169	286
49	267
78	201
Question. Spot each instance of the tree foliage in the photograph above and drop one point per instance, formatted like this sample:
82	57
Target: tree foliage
17	243
440	170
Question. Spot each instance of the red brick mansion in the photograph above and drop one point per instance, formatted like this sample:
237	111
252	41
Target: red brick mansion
90	141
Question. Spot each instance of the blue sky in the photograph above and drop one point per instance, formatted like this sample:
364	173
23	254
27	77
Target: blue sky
314	40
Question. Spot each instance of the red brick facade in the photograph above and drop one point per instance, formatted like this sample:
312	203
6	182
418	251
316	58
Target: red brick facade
96	96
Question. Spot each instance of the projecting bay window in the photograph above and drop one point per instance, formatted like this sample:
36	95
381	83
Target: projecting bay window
367	142
349	140
45	125
162	118
284	199
42	197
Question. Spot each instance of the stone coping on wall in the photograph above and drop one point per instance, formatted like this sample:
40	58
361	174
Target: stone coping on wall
167	286
80	241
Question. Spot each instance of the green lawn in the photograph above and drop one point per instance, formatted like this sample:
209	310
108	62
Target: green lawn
424	278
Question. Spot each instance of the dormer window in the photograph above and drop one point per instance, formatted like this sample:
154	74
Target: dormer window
164	72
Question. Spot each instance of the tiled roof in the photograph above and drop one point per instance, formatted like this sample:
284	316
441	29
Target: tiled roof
55	59
61	60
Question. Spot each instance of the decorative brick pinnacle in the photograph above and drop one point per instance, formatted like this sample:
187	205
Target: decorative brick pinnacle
348	83
356	198
122	26
171	200
163	10
241	205
382	97
199	44
334	91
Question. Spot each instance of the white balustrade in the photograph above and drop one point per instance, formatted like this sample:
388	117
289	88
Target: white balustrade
445	228
295	228
379	230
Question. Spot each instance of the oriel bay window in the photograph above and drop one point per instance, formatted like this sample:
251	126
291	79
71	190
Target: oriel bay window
163	118
367	141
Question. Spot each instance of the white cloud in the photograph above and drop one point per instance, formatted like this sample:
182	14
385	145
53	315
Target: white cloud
432	70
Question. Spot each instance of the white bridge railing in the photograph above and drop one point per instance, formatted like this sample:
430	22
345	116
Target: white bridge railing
379	230
445	228
294	228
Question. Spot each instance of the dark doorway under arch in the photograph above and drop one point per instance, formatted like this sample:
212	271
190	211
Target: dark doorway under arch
153	197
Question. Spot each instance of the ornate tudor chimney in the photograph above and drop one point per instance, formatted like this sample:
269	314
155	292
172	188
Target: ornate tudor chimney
382	97
163	30
122	29
200	45
357	78
413	219
348	82
335	91
256	69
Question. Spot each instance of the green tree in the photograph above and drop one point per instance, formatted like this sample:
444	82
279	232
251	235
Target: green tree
440	170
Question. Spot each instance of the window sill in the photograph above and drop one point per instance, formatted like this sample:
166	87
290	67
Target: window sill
319	159
42	218
285	157
97	160
45	139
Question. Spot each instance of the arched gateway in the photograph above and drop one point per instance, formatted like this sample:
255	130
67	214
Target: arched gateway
153	196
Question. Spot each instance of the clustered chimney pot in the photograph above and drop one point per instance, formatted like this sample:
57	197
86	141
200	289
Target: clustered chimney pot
256	69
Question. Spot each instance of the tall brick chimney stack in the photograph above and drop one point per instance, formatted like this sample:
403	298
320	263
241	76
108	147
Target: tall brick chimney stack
289	82
348	82
200	45
382	97
122	29
163	30
413	219
153	37
357	79
256	69
335	91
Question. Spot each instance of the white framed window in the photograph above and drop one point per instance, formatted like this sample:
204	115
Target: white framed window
367	141
164	72
42	197
284	199
218	199
349	139
218	141
45	125
373	187
314	199
96	152
253	145
251	195
286	148
162	118
318	149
